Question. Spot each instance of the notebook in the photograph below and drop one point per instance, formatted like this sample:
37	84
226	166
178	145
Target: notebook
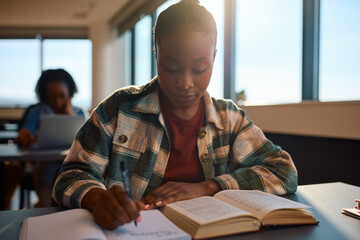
78	223
58	131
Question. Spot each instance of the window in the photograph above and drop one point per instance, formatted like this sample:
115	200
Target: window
339	73
217	9
20	68
75	57
123	57
143	51
268	51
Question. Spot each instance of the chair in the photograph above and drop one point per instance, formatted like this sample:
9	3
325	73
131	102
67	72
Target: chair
26	186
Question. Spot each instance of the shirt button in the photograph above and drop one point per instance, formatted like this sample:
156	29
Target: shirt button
123	138
205	157
202	134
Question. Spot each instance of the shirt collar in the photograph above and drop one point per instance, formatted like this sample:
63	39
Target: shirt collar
211	113
150	102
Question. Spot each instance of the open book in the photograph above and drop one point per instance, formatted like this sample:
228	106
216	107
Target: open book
235	211
79	224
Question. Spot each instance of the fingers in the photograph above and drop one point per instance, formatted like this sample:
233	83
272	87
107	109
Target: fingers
25	137
126	205
167	193
140	206
114	208
176	191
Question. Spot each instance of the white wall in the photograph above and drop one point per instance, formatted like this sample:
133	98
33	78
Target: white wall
320	119
109	66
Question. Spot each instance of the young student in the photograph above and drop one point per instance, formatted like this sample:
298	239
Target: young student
177	141
54	89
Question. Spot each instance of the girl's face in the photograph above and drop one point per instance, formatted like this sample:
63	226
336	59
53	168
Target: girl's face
185	63
57	95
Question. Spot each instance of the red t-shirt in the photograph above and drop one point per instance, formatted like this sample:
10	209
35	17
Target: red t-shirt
183	164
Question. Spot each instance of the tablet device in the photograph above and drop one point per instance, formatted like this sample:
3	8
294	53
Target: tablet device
58	131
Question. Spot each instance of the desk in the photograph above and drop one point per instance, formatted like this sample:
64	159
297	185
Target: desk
15	153
326	199
6	135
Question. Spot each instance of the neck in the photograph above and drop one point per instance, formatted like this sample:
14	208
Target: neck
185	113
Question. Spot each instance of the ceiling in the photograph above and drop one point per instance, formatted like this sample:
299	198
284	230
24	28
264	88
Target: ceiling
46	13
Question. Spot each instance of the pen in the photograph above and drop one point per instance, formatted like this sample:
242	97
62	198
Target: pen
125	175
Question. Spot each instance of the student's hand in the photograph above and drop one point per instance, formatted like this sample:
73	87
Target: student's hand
68	107
111	208
25	137
176	191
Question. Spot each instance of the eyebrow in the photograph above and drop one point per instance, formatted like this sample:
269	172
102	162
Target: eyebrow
171	58
199	60
175	60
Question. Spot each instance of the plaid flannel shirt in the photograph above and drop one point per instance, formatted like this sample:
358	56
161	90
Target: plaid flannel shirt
128	126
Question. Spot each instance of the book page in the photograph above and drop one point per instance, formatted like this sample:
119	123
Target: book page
256	202
153	225
206	209
352	212
69	224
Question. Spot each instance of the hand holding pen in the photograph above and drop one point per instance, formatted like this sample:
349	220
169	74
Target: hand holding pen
112	207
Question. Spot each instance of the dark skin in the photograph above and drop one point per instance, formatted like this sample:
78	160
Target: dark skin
59	99
176	191
112	208
184	62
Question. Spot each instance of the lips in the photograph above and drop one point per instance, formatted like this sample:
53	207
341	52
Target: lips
185	98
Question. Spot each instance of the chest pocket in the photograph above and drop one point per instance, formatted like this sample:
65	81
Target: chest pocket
131	142
221	154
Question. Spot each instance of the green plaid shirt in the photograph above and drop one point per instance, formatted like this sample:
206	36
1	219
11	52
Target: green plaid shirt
128	126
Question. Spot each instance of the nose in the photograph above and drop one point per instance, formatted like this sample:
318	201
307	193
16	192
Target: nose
57	103
185	82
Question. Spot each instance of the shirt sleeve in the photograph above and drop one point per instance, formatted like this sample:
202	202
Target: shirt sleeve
85	165
32	120
256	163
81	112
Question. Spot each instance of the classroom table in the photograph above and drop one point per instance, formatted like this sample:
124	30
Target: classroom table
8	136
15	153
326	200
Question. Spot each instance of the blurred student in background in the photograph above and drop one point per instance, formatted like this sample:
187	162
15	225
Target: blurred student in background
54	90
